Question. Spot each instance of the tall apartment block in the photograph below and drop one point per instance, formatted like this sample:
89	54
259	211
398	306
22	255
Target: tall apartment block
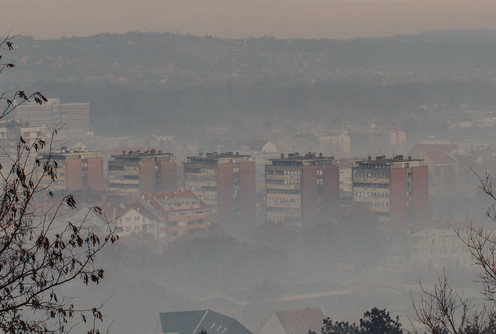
73	118
77	170
301	189
142	172
10	133
397	190
226	183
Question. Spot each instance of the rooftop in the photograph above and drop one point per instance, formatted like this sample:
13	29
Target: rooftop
139	154
193	322
300	321
439	157
382	160
214	157
296	158
418	149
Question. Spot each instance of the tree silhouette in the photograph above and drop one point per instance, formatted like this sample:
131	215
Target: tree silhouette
443	310
378	321
40	254
375	321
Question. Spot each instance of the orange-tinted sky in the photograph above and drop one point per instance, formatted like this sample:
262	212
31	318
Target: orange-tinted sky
244	18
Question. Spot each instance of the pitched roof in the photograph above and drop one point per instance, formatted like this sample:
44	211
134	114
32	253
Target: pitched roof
115	210
434	231
439	158
157	200
301	321
193	322
418	149
171	194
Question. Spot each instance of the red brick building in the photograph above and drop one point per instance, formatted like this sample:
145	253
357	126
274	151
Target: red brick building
301	189
178	212
77	170
142	172
226	183
397	189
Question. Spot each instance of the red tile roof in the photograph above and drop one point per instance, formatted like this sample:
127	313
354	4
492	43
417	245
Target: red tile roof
301	321
439	157
153	198
417	150
171	194
117	210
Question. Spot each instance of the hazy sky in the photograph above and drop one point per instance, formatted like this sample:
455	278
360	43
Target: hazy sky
243	18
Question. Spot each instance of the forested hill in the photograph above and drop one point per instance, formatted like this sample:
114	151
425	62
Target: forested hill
208	78
152	58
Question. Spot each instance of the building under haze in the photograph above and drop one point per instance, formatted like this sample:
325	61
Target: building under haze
226	183
77	170
133	218
142	172
70	118
11	131
438	248
301	189
372	140
300	321
179	212
397	190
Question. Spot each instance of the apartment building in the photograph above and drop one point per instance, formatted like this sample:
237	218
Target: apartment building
70	118
226	183
77	170
438	248
10	134
178	212
301	189
142	172
397	190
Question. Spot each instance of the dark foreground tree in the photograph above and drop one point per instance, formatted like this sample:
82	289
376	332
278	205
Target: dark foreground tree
378	321
39	254
375	321
339	327
442	309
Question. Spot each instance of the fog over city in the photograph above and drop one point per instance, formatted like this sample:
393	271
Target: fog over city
265	165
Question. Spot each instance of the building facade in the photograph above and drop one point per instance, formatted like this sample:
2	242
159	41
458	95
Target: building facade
77	170
397	190
142	172
301	189
438	248
10	134
226	183
132	218
178	212
70	118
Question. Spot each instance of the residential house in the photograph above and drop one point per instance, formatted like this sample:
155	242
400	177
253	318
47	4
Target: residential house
293	322
194	322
